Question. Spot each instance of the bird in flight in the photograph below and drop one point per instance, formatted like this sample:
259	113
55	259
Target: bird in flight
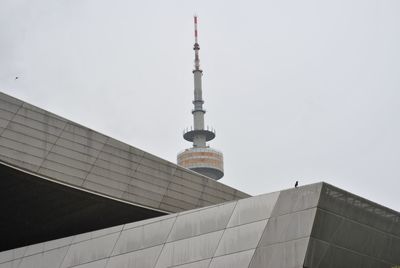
296	184
16	77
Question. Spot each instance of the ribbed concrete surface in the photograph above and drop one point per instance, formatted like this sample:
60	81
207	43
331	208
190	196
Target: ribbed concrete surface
314	226
51	146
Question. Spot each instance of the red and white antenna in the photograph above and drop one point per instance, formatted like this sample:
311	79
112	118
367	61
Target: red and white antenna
196	47
195	28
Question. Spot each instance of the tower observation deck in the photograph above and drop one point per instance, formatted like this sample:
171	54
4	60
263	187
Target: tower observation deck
200	158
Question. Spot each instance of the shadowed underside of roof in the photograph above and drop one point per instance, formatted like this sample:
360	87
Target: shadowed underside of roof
35	210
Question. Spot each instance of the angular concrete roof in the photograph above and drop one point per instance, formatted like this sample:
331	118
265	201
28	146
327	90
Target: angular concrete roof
316	225
57	149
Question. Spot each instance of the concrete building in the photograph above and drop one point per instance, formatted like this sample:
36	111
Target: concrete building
316	225
72	197
201	157
56	173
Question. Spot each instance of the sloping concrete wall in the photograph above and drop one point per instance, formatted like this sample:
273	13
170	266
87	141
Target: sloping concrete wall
51	146
350	231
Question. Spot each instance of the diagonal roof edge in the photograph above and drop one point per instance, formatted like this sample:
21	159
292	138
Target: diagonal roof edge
46	144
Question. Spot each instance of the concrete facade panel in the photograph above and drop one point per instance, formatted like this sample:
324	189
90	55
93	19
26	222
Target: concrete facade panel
154	172
288	227
316	251
106	182
6	98
3	124
28	140
67	161
111	154
119	165
253	209
95	234
211	198
5	117
34	249
148	185
14	162
221	187
77	156
237	260
20	147
282	255
321	254
144	258
107	231
91	250
300	199
8	106
58	243
38	125
48	259
351	206
95	264
215	197
196	186
368	237
192	176
86	133
141	200
41	115
160	164
241	238
102	189
183	205
134	190
77	147
109	174
204	203
197	264
201	222
30	132
123	147
217	193
139	176
181	196
189	250
85	141
62	177
16	157
64	169
183	189
148	221
13	254
144	236
165	207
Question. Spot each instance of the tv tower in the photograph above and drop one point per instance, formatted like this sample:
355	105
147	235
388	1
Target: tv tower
200	158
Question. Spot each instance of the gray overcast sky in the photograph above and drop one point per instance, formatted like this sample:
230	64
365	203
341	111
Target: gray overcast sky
297	90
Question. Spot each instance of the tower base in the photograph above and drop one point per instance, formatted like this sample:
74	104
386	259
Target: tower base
206	161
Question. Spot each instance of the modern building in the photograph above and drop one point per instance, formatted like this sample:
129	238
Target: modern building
73	197
59	178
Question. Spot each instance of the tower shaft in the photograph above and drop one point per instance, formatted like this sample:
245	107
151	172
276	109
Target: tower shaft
199	139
